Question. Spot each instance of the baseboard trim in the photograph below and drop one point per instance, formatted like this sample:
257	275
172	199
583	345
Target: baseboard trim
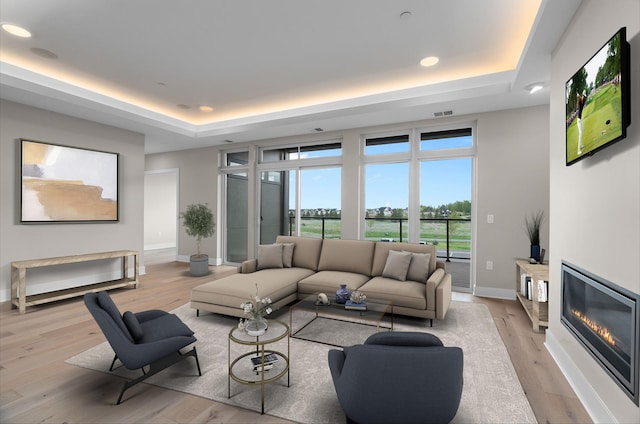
508	294
592	403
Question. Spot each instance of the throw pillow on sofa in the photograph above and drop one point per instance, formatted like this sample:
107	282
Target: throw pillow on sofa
397	265
419	267
287	254
270	256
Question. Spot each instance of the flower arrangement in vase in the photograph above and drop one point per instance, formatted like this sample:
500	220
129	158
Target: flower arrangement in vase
255	310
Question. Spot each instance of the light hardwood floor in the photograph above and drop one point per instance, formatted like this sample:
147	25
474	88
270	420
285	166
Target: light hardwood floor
37	386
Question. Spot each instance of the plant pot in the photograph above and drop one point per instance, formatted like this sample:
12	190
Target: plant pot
535	252
199	265
256	327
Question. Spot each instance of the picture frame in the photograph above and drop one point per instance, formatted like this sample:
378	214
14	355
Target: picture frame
65	184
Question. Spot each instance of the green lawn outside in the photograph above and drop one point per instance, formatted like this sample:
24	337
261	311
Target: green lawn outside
430	232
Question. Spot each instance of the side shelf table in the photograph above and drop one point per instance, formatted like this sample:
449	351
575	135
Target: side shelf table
241	368
537	311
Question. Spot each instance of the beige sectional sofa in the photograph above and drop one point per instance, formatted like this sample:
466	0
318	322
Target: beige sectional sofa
405	273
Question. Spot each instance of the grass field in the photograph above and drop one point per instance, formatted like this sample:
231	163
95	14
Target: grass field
430	232
603	107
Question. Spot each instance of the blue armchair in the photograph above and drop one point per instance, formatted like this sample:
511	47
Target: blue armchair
398	377
150	339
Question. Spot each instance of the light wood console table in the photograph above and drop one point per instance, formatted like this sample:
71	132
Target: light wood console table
20	300
538	311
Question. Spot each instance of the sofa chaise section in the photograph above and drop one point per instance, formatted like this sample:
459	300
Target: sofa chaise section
280	284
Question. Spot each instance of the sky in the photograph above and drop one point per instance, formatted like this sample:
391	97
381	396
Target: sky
442	182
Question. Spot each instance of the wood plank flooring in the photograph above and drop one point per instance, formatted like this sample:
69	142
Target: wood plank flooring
37	386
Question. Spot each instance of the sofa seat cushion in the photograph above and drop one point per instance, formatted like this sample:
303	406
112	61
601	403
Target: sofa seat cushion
329	281
236	289
409	294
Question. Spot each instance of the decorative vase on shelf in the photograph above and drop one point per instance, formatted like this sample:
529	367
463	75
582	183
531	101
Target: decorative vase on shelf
256	326
535	252
342	294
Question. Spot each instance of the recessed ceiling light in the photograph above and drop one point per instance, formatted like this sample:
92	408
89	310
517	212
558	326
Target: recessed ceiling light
534	88
205	108
47	54
405	15
429	61
16	30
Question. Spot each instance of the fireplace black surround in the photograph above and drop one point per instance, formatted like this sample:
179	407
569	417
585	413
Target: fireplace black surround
605	318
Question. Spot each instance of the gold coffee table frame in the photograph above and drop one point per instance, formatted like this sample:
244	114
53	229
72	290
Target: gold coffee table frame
276	331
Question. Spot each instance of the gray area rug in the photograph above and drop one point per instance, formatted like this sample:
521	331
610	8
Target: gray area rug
492	392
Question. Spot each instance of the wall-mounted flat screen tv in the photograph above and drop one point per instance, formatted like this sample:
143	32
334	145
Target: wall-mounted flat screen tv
598	109
67	184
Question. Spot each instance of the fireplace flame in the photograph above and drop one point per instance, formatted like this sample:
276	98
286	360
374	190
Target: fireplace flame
601	331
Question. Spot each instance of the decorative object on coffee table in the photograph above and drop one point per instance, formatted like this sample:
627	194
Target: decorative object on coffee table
255	310
342	294
323	299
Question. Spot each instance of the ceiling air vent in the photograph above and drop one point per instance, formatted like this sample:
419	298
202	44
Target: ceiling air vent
443	113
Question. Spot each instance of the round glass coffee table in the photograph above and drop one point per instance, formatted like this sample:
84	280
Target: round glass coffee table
259	365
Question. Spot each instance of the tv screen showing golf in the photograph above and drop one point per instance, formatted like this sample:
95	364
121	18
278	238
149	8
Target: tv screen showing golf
597	100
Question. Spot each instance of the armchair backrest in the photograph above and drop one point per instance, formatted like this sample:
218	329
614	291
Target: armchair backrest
423	383
109	319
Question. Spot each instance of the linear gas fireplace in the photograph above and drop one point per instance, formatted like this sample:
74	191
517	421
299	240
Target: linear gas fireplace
605	318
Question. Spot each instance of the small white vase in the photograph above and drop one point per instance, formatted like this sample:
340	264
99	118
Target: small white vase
256	327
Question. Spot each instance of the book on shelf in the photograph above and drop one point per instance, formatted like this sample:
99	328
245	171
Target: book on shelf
543	291
362	306
269	360
259	368
525	287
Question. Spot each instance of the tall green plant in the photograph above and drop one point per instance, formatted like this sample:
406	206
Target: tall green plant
533	224
199	222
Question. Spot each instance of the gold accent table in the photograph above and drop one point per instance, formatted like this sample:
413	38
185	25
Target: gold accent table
20	300
537	311
242	372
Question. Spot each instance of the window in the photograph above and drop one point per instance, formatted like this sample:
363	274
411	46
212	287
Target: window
320	150
386	201
446	139
300	190
386	145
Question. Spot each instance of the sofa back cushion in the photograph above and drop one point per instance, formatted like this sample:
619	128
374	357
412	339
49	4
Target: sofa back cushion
347	256
383	248
306	251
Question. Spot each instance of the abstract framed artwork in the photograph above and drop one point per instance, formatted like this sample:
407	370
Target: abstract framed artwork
67	184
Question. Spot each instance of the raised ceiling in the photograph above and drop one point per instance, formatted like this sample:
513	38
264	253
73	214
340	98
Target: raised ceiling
275	68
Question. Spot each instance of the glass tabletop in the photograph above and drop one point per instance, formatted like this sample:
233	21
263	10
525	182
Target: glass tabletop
276	330
375	310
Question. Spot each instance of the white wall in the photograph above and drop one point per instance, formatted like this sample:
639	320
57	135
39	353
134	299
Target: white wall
35	241
595	203
160	209
512	181
198	169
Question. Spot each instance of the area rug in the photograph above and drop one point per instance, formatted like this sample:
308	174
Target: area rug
491	392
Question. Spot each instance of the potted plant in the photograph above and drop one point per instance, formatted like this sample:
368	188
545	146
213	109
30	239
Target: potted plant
199	222
533	224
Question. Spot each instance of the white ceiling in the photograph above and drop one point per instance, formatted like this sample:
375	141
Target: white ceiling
275	68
